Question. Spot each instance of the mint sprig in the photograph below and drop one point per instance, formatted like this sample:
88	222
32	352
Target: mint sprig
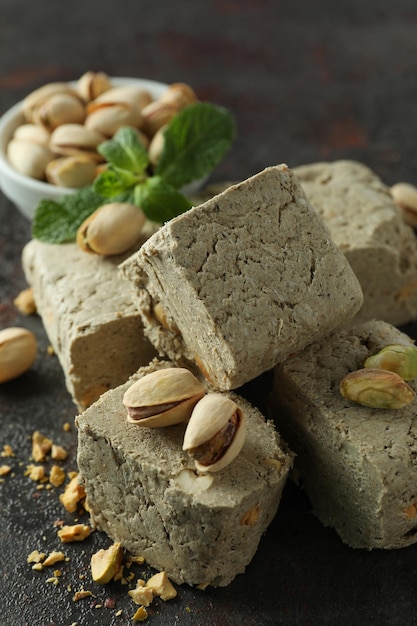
196	140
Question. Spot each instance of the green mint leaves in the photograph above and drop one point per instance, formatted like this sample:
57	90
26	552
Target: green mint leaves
196	140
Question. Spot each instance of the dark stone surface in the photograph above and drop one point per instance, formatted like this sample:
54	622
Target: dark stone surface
307	81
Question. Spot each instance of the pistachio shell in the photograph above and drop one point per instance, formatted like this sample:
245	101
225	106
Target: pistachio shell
76	139
156	146
376	388
107	118
179	93
127	94
209	424
17	352
58	109
33	133
112	229
28	158
72	171
164	397
157	114
92	84
37	96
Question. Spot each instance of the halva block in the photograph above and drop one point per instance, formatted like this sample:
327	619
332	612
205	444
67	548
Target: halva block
243	280
144	491
88	315
358	465
368	227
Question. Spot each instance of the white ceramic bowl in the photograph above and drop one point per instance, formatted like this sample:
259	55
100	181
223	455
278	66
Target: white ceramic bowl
27	192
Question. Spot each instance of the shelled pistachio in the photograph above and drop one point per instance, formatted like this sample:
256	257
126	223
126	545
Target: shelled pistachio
376	388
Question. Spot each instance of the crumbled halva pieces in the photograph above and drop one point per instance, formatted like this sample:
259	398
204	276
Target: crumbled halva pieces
358	465
242	281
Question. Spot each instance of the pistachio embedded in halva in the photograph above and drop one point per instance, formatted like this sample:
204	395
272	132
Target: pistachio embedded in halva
397	358
377	389
112	229
163	398
18	348
215	433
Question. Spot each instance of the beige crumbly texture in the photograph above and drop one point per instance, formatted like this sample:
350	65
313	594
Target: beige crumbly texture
143	491
89	317
358	465
244	280
366	224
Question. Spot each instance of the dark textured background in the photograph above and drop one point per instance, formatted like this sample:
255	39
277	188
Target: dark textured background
306	81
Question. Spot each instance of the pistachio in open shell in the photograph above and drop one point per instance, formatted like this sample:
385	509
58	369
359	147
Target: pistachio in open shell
163	398
215	433
112	229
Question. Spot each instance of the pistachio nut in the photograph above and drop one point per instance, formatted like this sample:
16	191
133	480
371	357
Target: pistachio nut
29	158
215	433
405	196
58	109
376	388
123	94
163	398
71	171
179	93
156	146
33	133
17	352
157	114
397	358
76	139
36	97
112	229
107	118
92	84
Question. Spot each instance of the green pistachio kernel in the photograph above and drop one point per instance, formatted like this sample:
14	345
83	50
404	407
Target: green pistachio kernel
396	358
377	389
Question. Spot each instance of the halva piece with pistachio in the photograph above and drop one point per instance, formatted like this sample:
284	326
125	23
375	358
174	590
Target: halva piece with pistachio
240	282
144	490
358	465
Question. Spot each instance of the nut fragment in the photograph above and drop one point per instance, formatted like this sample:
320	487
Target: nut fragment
163	398
25	302
112	229
41	445
400	359
73	494
106	563
76	532
18	349
376	388
141	595
162	586
215	433
405	196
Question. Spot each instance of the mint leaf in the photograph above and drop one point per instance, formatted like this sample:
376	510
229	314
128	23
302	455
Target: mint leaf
196	140
125	151
113	181
160	201
58	222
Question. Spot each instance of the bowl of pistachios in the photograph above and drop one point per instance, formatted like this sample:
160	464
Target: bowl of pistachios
123	139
